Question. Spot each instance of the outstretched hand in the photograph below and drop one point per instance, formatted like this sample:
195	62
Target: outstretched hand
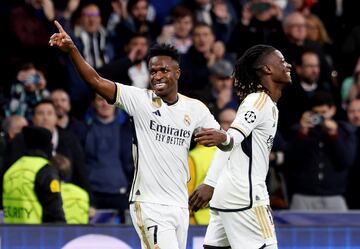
61	39
200	197
210	137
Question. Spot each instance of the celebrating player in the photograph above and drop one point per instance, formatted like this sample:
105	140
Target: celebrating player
164	124
240	212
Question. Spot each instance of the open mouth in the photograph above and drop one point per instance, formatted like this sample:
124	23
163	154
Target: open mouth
159	85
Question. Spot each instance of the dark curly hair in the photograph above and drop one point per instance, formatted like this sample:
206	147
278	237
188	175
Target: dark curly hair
164	50
246	76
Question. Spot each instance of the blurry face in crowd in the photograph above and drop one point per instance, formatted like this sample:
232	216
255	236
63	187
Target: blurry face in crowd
164	74
221	83
226	117
62	102
309	71
16	125
325	110
45	116
203	39
91	19
102	108
353	112
143	47
183	26
140	11
295	28
312	30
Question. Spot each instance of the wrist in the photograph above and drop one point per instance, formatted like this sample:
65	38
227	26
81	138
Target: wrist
227	141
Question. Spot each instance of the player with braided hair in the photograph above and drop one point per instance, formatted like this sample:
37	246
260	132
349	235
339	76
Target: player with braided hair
240	212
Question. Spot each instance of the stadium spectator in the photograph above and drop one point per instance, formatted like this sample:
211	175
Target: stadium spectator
319	156
136	22
352	196
295	42
29	88
130	69
178	33
65	120
30	27
64	143
164	123
219	15
108	157
259	24
76	202
295	98
219	94
31	193
11	126
201	56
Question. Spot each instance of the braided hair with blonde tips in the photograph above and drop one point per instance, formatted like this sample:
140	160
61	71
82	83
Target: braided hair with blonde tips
246	73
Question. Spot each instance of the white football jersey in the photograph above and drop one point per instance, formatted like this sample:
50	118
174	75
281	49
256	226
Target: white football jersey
242	181
163	134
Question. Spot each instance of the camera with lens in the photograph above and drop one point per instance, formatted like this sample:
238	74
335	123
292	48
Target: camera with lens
317	119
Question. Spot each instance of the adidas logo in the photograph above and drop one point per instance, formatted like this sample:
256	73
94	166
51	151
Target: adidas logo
157	113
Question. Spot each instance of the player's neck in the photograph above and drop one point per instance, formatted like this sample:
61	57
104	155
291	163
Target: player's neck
170	100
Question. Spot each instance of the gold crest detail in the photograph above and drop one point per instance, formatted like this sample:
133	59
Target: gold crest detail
187	120
156	102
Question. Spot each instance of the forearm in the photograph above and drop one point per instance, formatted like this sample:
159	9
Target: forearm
217	164
91	77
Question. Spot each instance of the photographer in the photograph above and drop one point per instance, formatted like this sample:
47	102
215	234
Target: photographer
319	156
28	89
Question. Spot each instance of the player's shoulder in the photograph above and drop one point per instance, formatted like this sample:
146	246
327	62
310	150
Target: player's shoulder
132	88
256	100
191	101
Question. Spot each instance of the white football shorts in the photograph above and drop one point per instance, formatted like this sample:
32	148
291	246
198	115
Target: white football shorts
250	229
160	226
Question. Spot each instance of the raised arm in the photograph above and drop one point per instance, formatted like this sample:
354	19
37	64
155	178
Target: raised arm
100	85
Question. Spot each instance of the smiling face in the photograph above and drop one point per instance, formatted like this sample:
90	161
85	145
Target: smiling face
164	74
281	70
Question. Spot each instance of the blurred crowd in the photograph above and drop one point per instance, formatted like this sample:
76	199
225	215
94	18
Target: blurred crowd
315	161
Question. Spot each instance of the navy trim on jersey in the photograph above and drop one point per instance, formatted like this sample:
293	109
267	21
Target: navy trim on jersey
115	94
246	146
135	142
242	133
169	104
216	247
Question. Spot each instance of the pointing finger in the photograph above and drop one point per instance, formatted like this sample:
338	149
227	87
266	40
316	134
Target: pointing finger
59	27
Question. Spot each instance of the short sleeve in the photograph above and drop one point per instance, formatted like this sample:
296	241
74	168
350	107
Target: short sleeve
250	113
128	98
207	120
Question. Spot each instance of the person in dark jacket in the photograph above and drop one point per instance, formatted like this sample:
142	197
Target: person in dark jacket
108	157
38	199
319	157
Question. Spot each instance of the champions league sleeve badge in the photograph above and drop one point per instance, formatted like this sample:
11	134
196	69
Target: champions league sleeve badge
250	117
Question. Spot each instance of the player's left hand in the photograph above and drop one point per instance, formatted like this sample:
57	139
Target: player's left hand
210	137
200	197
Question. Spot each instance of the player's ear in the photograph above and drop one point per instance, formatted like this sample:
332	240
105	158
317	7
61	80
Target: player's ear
266	69
177	73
